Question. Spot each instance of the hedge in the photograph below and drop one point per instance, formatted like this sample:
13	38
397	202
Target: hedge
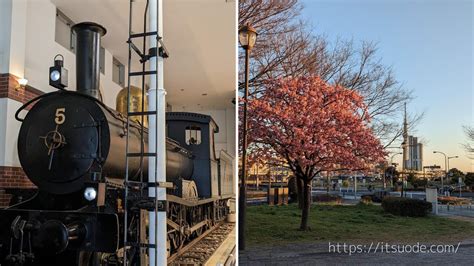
406	206
327	198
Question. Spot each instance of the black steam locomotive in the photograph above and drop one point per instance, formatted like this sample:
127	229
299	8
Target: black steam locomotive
72	147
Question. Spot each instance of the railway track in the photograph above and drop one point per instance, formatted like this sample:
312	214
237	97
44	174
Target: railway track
198	251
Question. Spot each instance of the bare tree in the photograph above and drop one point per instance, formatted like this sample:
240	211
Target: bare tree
287	46
469	145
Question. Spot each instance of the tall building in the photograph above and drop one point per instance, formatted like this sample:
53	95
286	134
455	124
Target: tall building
405	140
412	150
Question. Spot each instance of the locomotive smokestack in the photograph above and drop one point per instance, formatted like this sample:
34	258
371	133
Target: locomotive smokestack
88	35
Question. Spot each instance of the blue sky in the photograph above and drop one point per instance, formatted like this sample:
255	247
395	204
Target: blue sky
430	46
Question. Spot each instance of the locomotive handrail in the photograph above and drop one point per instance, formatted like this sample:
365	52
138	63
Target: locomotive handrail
64	91
30	102
115	114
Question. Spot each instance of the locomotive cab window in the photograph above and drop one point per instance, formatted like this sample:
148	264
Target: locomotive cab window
193	135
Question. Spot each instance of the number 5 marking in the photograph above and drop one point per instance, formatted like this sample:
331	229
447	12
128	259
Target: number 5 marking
60	117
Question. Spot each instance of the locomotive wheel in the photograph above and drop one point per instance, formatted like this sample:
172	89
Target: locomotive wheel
177	240
197	217
177	214
173	213
168	247
89	259
198	232
84	258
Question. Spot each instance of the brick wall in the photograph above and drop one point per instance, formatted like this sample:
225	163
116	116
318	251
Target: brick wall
12	177
4	198
9	89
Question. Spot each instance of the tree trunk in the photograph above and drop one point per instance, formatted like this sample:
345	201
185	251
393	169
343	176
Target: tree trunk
306	205
328	180
299	188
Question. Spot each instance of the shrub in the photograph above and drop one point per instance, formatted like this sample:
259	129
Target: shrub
469	179
366	199
419	182
406	206
411	177
327	198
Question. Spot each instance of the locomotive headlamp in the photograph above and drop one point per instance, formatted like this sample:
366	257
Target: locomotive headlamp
90	193
55	75
58	74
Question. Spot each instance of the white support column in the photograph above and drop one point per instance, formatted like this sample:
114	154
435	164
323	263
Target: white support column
157	167
13	18
5	35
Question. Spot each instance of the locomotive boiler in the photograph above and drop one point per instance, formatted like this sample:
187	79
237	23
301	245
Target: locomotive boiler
72	147
80	138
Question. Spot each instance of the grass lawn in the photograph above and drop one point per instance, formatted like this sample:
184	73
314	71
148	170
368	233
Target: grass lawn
276	225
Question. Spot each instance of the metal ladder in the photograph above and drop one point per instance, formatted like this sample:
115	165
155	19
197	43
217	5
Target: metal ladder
136	191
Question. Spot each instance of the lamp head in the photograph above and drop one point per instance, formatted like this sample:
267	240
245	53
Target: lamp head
247	37
21	83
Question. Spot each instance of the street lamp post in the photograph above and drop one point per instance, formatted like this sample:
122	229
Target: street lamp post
445	168
247	38
391	158
451	157
391	163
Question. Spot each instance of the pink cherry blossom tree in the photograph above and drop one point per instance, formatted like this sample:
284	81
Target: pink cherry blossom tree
312	127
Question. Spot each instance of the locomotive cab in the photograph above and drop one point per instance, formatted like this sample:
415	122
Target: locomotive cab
195	132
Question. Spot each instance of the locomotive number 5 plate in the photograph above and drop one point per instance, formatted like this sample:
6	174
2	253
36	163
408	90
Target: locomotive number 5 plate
60	116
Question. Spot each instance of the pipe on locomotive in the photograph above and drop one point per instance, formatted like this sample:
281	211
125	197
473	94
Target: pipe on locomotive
88	39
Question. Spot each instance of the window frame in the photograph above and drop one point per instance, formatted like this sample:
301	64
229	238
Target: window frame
102	60
188	134
121	74
69	23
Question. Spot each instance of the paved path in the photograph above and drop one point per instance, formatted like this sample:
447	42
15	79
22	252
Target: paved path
317	254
